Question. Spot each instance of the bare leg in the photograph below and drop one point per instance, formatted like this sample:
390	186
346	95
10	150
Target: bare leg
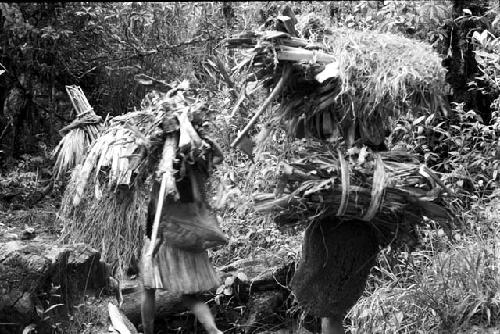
202	313
148	310
332	326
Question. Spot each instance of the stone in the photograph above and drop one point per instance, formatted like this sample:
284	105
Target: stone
35	274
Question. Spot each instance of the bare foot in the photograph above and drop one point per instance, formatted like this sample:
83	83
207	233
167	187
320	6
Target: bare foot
215	331
331	326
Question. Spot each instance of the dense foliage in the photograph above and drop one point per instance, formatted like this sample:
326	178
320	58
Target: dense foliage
100	47
117	51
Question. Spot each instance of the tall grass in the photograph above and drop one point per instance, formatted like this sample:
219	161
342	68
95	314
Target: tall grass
443	288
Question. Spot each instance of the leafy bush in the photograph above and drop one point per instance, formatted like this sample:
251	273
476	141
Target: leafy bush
462	148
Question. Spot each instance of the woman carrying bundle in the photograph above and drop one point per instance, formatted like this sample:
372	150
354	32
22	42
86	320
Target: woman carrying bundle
336	259
180	262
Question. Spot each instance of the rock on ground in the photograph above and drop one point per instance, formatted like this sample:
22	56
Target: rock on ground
40	280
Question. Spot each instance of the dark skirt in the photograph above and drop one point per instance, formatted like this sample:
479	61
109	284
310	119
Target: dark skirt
336	261
178	270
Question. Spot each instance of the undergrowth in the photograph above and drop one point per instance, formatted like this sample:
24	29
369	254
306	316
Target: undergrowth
443	287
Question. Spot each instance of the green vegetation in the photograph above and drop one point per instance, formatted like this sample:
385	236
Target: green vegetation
427	71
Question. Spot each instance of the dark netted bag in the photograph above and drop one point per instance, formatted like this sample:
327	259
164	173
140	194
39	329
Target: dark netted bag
190	226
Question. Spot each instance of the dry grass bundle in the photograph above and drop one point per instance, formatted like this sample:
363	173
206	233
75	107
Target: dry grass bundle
112	223
105	201
129	146
385	75
72	148
391	190
353	78
77	136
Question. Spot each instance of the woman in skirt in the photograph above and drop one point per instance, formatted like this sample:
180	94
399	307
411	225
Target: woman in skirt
331	276
180	260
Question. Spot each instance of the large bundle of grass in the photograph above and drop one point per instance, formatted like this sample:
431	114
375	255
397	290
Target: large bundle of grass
348	87
105	202
353	80
110	221
77	136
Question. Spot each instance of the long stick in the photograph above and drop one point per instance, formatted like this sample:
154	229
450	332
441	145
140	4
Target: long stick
284	78
159	208
225	75
298	54
242	97
120	321
148	257
240	100
167	181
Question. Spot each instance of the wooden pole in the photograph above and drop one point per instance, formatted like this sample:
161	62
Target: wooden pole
167	183
287	70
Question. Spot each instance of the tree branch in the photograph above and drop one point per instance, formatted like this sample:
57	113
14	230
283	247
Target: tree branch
287	70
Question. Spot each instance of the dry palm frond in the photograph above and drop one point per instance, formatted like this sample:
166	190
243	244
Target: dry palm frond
82	122
118	150
124	149
70	151
72	148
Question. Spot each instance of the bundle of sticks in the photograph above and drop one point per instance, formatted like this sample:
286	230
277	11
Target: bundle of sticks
391	190
342	94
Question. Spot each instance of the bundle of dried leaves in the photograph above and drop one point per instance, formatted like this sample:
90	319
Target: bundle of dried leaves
390	190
